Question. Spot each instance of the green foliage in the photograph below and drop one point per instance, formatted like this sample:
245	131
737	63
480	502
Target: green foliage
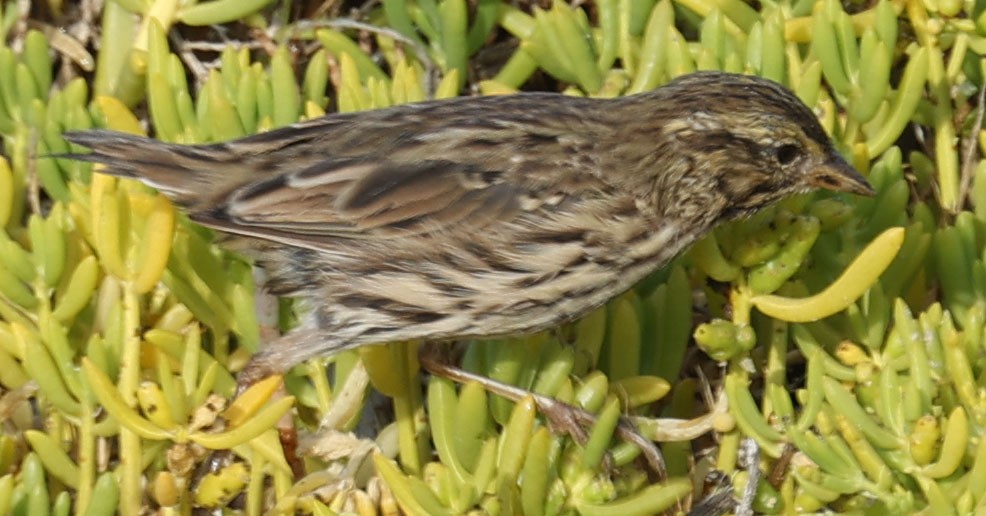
122	324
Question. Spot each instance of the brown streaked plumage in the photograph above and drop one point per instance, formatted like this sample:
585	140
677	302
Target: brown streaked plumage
485	216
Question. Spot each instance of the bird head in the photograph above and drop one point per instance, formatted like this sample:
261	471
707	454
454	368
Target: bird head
753	142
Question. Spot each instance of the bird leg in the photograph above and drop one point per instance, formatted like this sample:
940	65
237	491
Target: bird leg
562	417
279	355
272	360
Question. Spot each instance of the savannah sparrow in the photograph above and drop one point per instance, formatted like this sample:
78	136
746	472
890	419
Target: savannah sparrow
484	216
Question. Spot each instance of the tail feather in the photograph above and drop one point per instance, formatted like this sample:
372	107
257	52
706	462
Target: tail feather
175	170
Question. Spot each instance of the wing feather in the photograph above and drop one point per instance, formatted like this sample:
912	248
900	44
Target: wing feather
357	199
379	174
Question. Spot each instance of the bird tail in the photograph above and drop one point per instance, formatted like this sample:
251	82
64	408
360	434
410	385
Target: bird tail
181	172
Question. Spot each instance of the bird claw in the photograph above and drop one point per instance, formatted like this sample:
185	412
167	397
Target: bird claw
562	417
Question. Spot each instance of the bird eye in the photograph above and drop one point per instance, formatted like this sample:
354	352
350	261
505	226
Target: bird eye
786	153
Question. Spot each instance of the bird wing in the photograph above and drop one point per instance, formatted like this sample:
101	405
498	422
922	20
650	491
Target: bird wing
410	170
365	199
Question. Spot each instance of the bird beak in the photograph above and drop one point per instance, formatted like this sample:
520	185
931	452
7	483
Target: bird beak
837	175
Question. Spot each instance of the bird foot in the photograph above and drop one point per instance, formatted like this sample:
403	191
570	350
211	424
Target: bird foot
562	417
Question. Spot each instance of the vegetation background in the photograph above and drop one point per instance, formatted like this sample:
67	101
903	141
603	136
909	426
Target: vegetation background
861	381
